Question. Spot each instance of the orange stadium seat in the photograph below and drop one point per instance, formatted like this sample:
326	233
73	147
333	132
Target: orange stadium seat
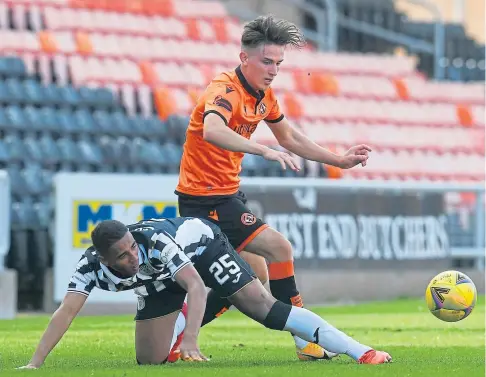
83	43
401	88
220	30
192	25
464	115
149	75
47	42
164	102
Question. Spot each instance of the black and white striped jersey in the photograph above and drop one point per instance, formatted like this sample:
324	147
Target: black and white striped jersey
165	246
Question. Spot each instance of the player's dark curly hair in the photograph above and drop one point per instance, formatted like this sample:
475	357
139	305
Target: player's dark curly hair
268	30
106	234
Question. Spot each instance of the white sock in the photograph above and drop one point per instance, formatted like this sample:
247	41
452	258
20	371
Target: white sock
299	342
313	328
178	328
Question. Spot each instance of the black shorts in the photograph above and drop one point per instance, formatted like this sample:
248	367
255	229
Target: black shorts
219	266
230	213
160	304
222	269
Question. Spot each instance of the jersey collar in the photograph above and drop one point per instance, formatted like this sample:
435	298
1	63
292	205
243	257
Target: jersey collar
258	95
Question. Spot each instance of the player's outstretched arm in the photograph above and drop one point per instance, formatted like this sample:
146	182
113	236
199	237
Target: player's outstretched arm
296	142
189	279
60	322
217	133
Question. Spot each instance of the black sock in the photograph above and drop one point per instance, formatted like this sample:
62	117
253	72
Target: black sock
285	290
215	306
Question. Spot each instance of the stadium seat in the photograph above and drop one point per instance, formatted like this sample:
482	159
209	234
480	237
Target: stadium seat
34	180
91	153
84	121
69	150
173	153
4	95
5	126
34	150
34	119
66	121
15	90
4	154
110	150
34	93
50	150
176	127
104	123
14	67
121	123
70	96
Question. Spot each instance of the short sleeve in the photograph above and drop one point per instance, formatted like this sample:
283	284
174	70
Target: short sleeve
222	100
167	254
177	262
84	279
275	114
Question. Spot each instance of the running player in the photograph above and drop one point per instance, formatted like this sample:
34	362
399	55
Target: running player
162	260
218	136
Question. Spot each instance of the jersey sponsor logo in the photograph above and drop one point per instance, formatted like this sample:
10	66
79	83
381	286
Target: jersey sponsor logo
246	130
224	103
248	219
263	108
88	213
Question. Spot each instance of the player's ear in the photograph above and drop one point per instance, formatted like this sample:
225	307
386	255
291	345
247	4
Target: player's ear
244	57
103	260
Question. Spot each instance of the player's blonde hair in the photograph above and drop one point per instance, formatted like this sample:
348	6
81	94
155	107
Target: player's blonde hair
269	30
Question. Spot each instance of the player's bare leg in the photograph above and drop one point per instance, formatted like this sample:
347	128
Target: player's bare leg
216	306
258	264
275	248
255	301
154	338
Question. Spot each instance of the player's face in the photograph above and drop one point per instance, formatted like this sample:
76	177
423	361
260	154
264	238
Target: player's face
124	256
262	65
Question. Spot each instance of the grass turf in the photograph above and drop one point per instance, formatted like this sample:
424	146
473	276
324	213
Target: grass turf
420	344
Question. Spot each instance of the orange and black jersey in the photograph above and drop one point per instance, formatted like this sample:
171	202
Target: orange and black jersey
206	169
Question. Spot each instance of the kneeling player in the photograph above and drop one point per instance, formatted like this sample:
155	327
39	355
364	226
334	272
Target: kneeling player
162	260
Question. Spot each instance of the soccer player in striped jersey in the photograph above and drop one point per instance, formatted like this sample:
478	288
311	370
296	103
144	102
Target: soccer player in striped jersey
165	259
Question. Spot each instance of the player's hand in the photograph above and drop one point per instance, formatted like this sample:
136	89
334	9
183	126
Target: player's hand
354	156
28	366
282	157
190	351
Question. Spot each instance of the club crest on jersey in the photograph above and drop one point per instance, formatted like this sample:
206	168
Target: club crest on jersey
248	219
146	269
263	108
222	102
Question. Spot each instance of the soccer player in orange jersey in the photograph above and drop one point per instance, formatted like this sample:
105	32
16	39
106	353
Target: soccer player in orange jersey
218	136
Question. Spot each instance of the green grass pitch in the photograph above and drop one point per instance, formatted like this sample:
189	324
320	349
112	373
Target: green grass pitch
420	344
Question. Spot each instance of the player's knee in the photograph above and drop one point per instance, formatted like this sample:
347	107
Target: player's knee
150	361
284	248
277	316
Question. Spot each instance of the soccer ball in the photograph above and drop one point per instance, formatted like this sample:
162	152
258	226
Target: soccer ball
451	296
